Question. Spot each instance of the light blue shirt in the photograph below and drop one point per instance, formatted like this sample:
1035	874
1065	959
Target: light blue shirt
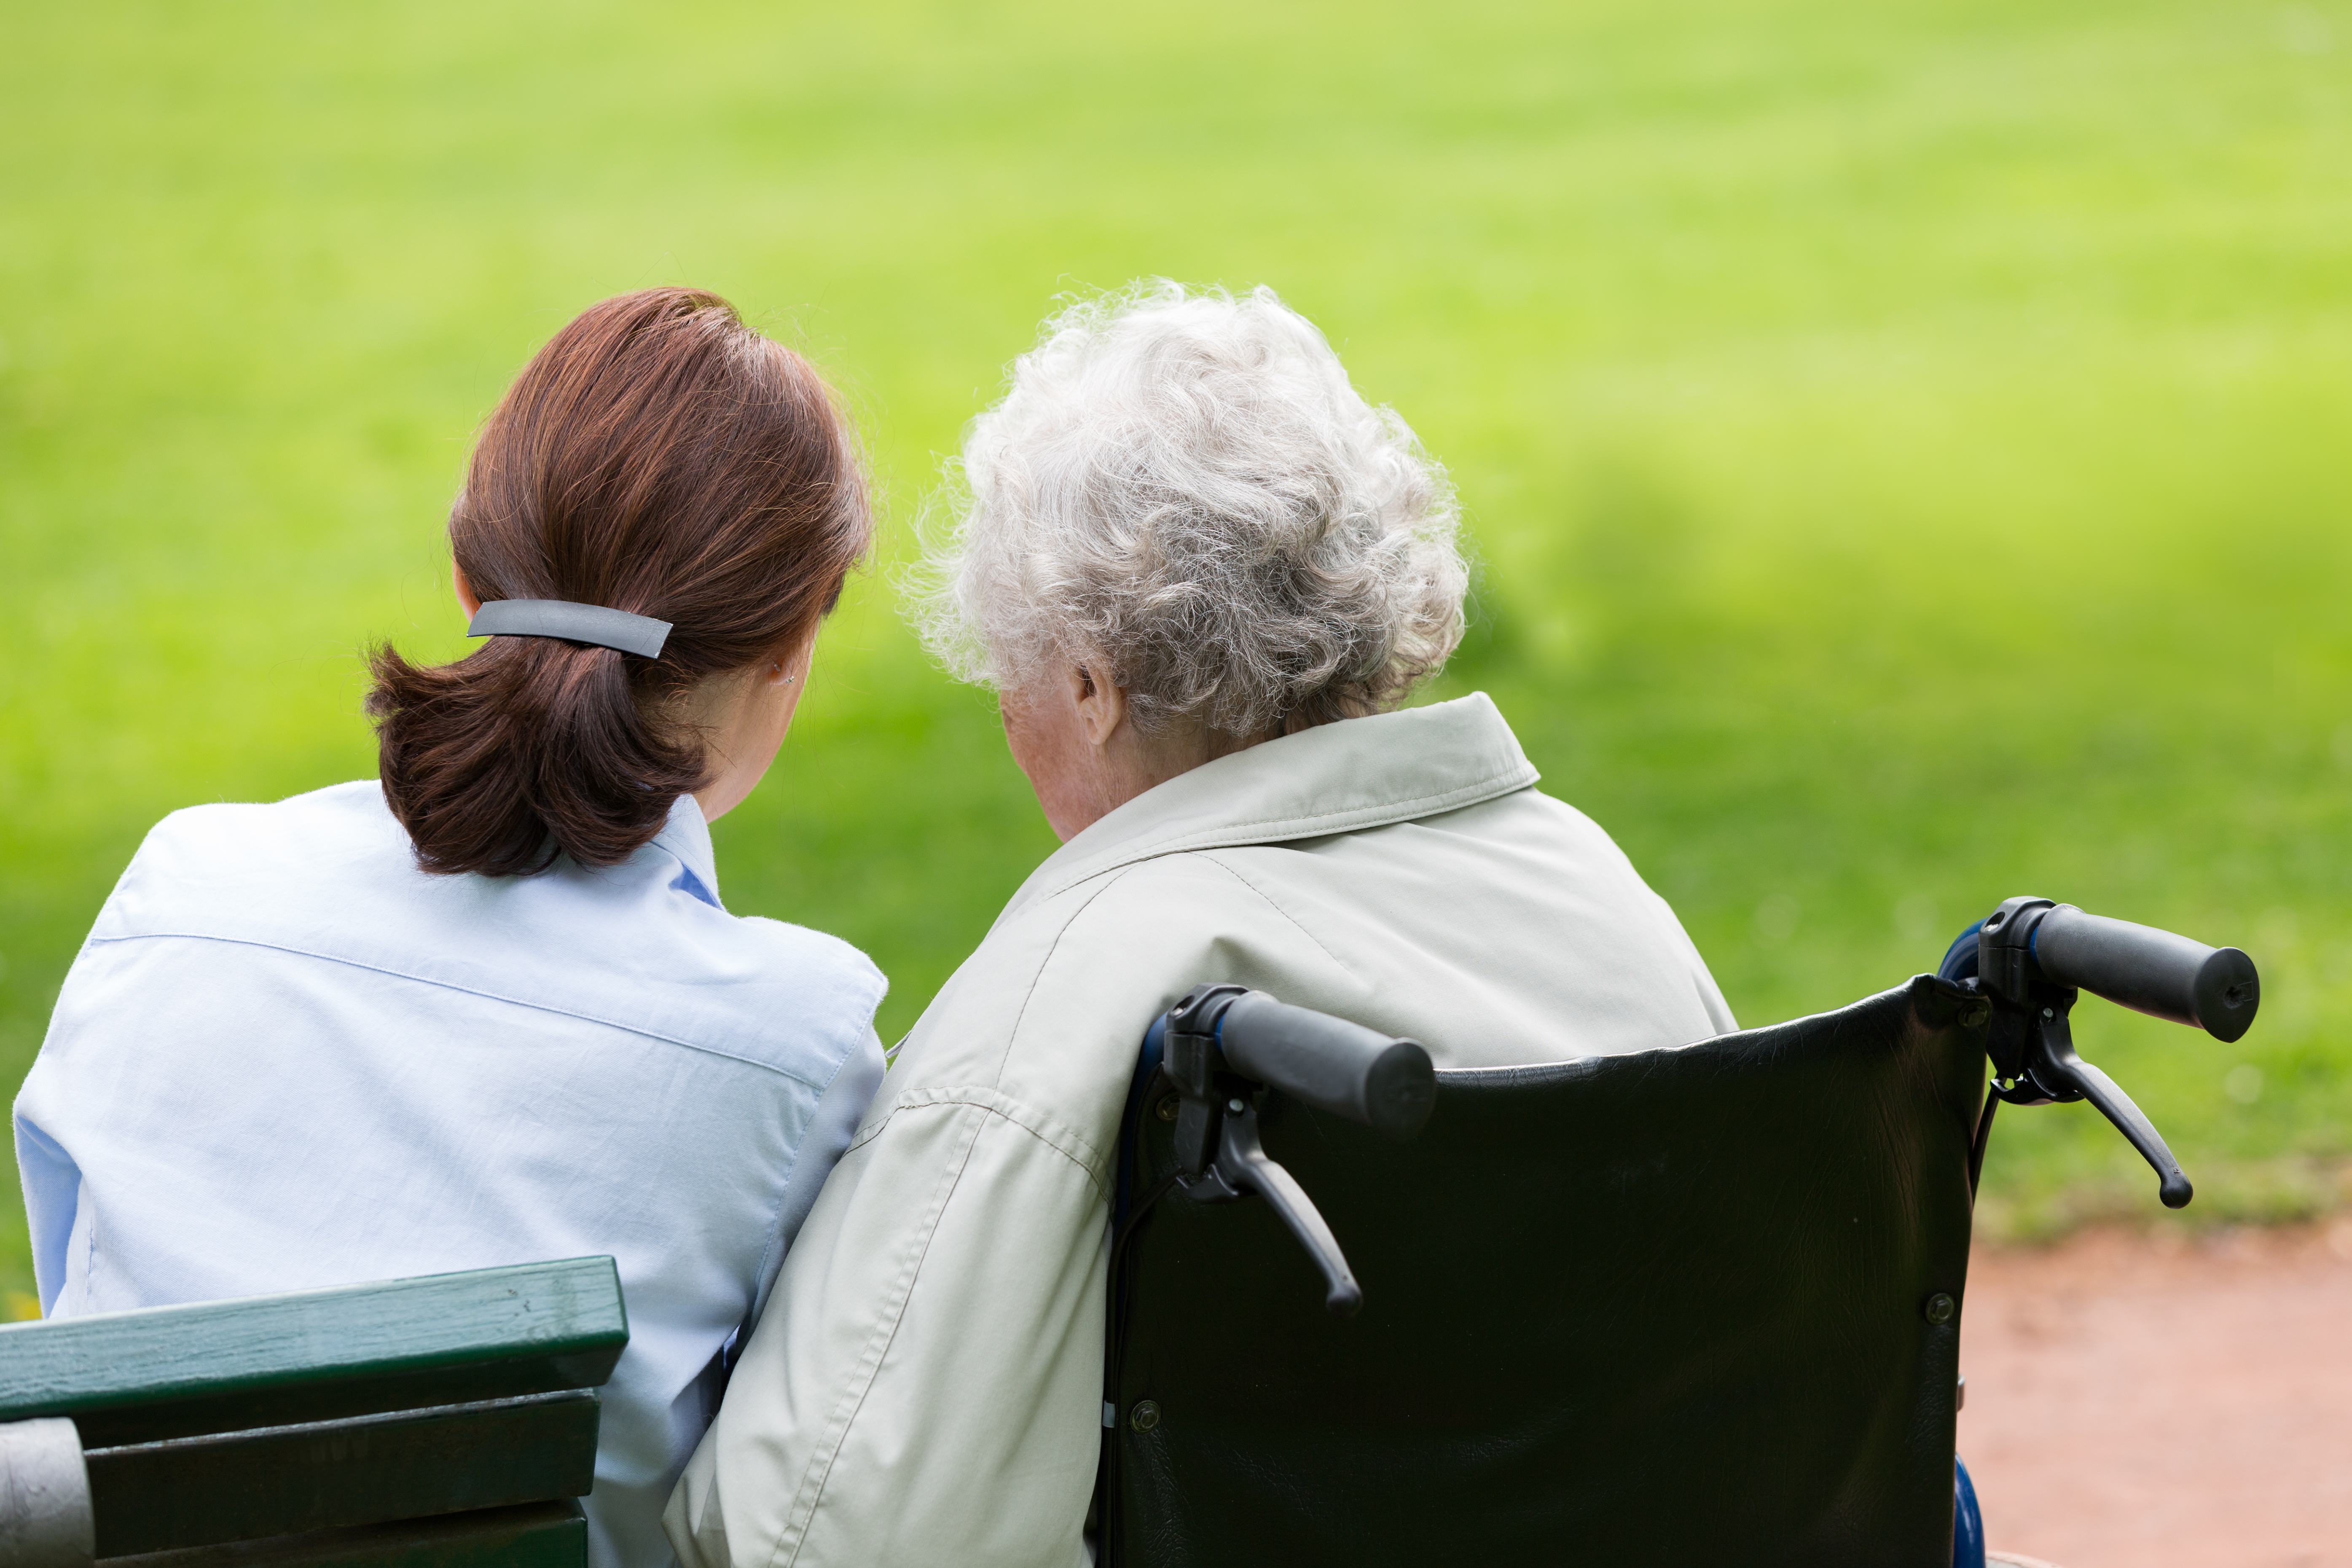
287	1058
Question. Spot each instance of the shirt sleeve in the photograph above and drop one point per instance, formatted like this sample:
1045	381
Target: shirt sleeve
50	1175
831	1127
926	1385
52	1185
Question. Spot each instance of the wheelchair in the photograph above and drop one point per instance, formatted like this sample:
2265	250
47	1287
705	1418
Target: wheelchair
1691	1306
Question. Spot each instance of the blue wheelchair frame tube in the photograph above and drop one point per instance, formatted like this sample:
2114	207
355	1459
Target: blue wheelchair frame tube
1968	1524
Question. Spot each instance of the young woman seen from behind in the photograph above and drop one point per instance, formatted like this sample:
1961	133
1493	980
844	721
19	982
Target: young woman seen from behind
489	1009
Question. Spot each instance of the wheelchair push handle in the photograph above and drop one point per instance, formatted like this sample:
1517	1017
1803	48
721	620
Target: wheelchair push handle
2035	957
1329	1063
2149	971
1223	1045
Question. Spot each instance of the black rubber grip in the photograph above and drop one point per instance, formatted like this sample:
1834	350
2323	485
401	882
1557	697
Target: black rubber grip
1335	1066
2149	971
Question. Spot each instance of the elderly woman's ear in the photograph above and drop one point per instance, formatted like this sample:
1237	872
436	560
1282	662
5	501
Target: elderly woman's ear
1074	735
1102	705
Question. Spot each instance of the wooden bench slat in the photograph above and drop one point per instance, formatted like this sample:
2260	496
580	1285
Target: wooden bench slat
279	1480
536	1535
316	1355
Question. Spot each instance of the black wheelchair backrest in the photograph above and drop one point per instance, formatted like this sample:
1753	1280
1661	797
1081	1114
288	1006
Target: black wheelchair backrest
1671	1308
1691	1306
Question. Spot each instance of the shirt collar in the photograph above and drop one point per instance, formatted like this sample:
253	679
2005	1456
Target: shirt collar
1341	778
686	837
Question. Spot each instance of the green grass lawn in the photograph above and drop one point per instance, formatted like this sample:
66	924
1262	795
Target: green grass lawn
1909	447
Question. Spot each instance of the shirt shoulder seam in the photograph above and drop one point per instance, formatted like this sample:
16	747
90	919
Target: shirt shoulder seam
468	991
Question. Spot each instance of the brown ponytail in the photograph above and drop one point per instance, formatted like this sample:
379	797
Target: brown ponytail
658	456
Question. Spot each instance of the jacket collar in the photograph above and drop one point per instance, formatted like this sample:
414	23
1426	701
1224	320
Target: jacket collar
1341	778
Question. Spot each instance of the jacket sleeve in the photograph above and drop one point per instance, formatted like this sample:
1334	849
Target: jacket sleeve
926	1385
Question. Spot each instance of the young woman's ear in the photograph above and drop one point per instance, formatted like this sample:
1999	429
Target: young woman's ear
465	599
788	667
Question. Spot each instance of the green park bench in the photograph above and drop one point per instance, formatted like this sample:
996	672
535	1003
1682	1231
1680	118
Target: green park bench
448	1420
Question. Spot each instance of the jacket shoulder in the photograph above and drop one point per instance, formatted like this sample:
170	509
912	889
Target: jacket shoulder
1051	1009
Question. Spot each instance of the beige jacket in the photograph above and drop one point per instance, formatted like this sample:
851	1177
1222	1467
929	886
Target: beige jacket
926	1386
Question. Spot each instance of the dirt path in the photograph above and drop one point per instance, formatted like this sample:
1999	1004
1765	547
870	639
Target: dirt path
2154	1403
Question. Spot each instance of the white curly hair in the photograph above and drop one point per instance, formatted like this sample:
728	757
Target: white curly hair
1181	489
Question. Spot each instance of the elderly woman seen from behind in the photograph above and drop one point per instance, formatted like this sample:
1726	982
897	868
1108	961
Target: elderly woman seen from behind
1202	575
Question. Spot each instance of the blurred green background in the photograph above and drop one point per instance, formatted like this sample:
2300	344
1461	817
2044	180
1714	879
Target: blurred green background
1909	447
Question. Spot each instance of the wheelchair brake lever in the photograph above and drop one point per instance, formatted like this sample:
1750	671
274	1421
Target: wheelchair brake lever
1218	1154
1242	1166
2052	1069
2047	1071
